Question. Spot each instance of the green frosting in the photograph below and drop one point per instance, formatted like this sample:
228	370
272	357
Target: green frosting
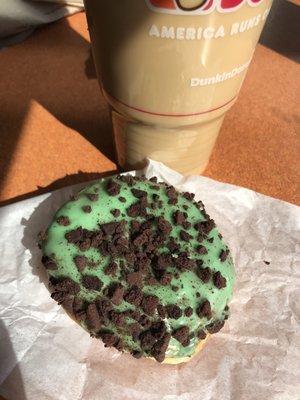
190	291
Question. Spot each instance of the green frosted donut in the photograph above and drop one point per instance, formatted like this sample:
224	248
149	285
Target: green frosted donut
140	266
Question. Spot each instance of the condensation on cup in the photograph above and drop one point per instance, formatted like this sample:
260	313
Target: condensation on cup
170	70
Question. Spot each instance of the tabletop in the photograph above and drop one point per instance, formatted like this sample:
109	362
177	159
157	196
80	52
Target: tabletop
55	128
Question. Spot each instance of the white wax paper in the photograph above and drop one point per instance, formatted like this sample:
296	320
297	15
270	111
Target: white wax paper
45	355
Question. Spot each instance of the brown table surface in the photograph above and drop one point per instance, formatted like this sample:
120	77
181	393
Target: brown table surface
55	129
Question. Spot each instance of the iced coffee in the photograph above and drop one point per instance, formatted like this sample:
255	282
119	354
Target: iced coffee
171	69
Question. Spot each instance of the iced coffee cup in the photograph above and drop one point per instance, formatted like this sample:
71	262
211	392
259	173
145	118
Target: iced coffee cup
170	70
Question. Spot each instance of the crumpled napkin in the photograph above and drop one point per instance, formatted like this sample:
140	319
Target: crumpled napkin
46	355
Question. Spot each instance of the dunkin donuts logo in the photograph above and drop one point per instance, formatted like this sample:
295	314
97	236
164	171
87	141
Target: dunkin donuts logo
198	7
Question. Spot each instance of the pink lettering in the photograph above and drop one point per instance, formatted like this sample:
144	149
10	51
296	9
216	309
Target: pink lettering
230	4
206	5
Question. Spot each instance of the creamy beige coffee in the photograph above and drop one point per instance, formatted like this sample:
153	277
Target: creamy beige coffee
171	69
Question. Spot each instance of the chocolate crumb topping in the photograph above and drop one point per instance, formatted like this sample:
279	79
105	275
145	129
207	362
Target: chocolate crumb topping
134	210
77	308
162	261
223	255
137	354
201	335
134	278
138	193
66	285
173	202
117	318
173	246
188	312
122	199
185	236
152	281
188	196
155	197
219	280
109	339
109	228
164	278
160	347
186	225
147	340
134	296
92	196
204	227
158	329
204	274
182	334
215	327
200	205
267	262
153	179
116	213
149	304
93	318
59	297
154	187
161	311
104	307
48	263
127	179
144	321
75	235
113	188
119	345
164	226
173	311
171	193
87	209
204	310
142	238
183	262
64	221
111	269
91	282
80	262
96	239
116	293
179	217
134	330
201	249
135	226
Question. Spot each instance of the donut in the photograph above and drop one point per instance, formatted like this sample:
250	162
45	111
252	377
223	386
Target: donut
140	266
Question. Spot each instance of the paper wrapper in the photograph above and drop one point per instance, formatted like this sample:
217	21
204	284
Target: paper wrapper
45	355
